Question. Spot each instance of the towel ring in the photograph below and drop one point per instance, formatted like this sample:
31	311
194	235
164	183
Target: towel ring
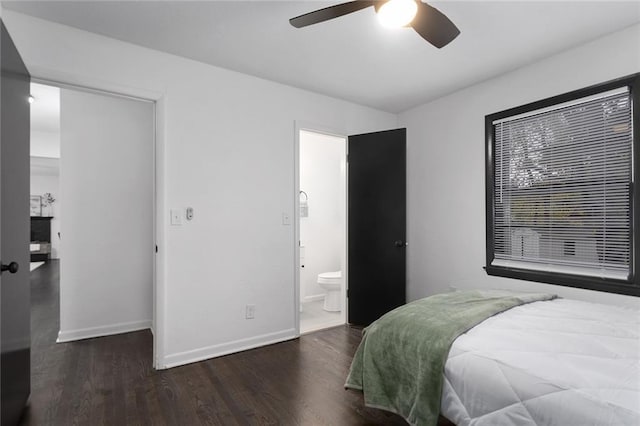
306	197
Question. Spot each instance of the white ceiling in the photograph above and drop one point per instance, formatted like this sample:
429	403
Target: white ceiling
352	57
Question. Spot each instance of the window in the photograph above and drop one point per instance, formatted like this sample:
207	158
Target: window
560	189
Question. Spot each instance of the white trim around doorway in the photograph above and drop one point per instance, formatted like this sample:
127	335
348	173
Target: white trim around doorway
157	324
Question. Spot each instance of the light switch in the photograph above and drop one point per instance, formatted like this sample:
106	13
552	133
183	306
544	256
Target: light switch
286	219
176	216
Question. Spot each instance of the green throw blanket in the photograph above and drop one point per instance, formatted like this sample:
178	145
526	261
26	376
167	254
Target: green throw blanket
399	364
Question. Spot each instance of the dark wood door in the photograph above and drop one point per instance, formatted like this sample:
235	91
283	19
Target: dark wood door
15	337
377	224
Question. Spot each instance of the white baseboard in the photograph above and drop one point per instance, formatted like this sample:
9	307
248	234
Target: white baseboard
214	351
101	331
313	297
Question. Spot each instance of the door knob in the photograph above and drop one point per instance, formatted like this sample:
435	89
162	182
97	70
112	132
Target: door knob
400	243
12	267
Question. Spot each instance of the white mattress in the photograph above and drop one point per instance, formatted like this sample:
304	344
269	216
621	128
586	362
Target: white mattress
560	362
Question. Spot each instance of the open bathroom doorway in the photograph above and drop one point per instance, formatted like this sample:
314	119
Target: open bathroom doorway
321	222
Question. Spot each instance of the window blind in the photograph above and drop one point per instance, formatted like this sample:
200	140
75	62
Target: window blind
562	191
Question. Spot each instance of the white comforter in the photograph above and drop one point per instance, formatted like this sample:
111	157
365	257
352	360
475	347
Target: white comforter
560	362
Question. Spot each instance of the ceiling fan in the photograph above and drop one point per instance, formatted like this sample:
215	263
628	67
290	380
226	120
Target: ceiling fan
429	22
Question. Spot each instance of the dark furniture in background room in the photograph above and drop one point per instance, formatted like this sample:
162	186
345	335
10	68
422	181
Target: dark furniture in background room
41	234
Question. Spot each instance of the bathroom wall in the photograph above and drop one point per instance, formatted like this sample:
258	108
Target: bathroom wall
322	233
45	177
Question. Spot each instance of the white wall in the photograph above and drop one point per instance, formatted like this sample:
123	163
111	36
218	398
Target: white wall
322	233
45	144
106	182
227	141
445	152
45	177
45	121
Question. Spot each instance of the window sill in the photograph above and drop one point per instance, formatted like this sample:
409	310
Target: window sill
629	288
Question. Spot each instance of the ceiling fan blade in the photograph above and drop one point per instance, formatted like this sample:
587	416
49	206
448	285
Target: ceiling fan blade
434	26
328	13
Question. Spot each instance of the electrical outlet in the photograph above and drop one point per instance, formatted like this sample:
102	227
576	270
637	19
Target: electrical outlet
250	312
286	219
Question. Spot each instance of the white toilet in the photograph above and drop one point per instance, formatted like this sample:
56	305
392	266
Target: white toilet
332	283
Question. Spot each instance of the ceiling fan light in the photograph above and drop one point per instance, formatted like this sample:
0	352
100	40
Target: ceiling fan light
397	13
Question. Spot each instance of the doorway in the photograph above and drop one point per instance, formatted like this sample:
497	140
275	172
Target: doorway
321	221
45	207
92	211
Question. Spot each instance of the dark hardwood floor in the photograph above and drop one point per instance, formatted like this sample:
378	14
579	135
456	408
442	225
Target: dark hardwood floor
110	380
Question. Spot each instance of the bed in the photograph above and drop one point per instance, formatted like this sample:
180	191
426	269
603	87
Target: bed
542	361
